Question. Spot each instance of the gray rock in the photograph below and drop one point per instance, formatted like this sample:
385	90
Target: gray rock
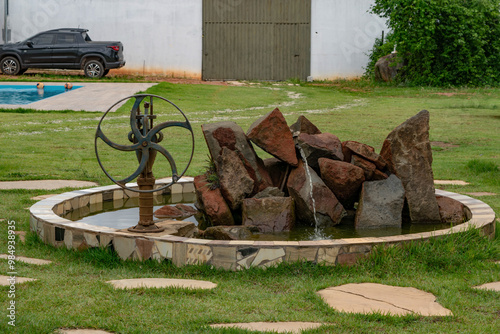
270	192
323	145
230	135
271	214
387	67
408	154
328	209
380	204
235	183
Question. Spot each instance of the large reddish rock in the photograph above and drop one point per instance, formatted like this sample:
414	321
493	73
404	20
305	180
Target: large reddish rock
303	125
314	201
450	210
380	204
323	145
269	214
272	134
365	151
225	233
235	183
230	135
343	179
168	211
211	202
367	166
408	154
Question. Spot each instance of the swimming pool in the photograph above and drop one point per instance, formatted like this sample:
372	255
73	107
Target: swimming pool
24	94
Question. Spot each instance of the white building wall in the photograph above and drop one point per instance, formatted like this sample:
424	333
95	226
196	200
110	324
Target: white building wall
159	36
342	33
165	36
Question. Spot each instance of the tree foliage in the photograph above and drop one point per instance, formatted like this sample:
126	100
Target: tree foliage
445	42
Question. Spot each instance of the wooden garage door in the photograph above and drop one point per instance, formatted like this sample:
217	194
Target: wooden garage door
256	39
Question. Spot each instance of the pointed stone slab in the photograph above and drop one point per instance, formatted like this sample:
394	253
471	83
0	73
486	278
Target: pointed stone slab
4	280
495	286
27	259
136	283
275	327
407	151
369	298
272	134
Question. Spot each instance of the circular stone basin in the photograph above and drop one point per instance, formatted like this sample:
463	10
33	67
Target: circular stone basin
46	221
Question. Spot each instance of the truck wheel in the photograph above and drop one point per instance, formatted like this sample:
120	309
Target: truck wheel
93	69
10	66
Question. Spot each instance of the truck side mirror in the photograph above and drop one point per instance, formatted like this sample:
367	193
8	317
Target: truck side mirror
29	44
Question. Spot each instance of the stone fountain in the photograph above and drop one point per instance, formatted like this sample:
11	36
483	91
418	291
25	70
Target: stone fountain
243	192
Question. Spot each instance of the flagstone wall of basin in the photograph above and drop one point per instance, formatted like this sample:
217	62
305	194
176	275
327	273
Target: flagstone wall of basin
46	221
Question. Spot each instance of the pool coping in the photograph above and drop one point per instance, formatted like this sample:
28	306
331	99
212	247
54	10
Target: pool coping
231	255
104	95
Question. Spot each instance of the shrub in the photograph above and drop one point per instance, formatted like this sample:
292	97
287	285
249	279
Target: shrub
445	42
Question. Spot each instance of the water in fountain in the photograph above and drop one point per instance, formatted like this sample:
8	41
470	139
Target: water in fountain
317	232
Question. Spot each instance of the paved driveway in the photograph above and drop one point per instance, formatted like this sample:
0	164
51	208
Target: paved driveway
92	96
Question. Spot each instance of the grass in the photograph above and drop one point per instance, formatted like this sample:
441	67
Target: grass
71	292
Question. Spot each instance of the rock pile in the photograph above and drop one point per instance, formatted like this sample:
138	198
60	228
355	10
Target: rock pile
314	178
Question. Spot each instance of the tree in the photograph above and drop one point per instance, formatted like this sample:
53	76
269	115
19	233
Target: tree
445	42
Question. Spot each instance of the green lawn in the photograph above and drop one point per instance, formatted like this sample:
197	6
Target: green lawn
71	292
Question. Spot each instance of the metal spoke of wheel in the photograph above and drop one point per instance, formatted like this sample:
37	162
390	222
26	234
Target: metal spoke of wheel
144	139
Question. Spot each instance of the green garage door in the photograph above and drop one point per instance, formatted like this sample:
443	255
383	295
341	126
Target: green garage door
256	39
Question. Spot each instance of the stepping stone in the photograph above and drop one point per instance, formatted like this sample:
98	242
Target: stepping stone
136	283
46	184
4	280
82	331
451	182
27	259
42	197
275	327
481	193
369	298
495	286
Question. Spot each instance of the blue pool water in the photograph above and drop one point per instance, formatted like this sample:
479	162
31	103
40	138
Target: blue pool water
24	94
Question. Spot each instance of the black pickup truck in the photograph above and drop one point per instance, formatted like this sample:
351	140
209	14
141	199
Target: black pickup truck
62	49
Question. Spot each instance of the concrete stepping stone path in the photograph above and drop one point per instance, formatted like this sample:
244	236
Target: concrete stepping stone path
494	286
369	298
481	193
27	259
4	280
42	197
136	283
451	182
46	184
275	327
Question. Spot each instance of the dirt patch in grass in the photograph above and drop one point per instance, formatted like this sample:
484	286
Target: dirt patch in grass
450	94
443	145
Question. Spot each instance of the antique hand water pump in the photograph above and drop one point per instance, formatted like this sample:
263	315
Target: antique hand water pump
145	138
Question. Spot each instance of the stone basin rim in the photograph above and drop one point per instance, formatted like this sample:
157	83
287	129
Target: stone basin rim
55	230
